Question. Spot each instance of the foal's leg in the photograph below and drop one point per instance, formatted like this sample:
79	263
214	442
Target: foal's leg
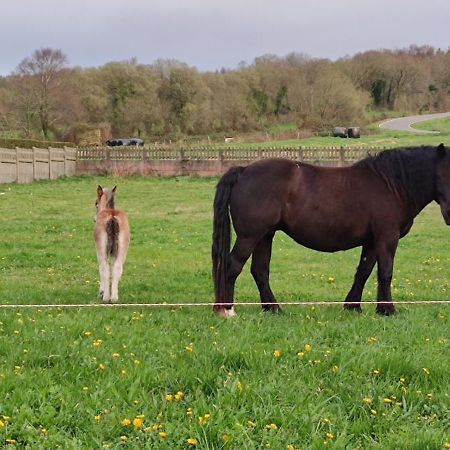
103	264
385	258
117	268
365	267
260	271
242	250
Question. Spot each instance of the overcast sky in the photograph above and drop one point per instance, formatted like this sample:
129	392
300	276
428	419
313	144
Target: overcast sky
211	34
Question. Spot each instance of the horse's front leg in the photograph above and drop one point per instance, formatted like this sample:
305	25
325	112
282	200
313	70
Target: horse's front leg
260	272
365	267
385	258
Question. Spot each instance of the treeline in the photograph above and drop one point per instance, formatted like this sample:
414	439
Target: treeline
44	98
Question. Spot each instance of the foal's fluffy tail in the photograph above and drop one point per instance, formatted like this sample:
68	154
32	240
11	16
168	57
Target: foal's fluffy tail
221	239
112	231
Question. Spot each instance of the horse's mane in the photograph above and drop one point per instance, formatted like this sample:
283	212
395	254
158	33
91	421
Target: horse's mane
405	169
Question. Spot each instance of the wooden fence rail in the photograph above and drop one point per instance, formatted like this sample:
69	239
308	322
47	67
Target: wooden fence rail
203	161
338	155
22	165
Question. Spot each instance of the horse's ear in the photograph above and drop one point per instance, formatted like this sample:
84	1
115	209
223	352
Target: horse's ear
114	189
441	150
99	191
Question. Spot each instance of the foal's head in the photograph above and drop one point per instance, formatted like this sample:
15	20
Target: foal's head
105	198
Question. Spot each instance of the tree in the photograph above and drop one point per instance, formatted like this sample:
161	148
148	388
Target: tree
41	70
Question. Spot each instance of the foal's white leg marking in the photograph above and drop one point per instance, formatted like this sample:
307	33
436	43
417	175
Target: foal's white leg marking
229	313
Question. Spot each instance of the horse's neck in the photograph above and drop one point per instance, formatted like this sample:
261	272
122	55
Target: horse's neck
422	188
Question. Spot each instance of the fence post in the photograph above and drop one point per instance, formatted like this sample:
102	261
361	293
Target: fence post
300	154
34	162
341	157
17	164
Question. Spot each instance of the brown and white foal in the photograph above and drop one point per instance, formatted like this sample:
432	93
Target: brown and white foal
112	237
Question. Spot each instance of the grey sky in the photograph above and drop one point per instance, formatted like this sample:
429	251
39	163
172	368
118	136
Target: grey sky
210	34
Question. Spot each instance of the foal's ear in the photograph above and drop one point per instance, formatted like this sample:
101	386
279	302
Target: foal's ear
114	189
441	150
99	191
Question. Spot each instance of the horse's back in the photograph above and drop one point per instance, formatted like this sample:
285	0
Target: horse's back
324	208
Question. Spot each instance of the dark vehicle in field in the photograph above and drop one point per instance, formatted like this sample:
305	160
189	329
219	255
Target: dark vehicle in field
136	142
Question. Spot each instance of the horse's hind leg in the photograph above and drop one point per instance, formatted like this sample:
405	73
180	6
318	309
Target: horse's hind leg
260	271
117	270
242	250
365	267
103	266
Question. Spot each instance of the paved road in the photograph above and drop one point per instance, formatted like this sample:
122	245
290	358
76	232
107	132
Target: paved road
404	123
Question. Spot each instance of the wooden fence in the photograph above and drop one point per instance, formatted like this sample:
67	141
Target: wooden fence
202	161
26	165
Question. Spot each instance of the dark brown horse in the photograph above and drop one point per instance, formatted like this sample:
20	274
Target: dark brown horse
371	204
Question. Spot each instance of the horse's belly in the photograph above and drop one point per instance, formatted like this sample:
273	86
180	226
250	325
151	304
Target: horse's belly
328	239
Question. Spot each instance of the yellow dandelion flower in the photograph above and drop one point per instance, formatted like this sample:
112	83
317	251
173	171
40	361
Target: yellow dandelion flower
271	426
251	424
11	441
116	355
162	434
87	333
301	354
97	343
387	401
326	421
290	447
156	427
98	417
203	420
189	412
2	424
179	396
426	370
124	438
373	412
330	436
331	280
192	441
101	366
190	348
446	445
137	422
335	369
226	437
367	400
169	397
85	388
308	347
126	422
277	353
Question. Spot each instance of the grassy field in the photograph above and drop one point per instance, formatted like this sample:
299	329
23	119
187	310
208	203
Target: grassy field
441	125
174	378
372	137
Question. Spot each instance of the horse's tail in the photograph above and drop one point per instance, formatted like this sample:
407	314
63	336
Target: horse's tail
112	231
221	239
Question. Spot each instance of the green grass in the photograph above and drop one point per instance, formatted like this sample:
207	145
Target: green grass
68	378
372	137
441	125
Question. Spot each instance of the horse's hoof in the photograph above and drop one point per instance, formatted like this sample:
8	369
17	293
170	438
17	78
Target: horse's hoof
383	311
273	309
225	313
355	308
